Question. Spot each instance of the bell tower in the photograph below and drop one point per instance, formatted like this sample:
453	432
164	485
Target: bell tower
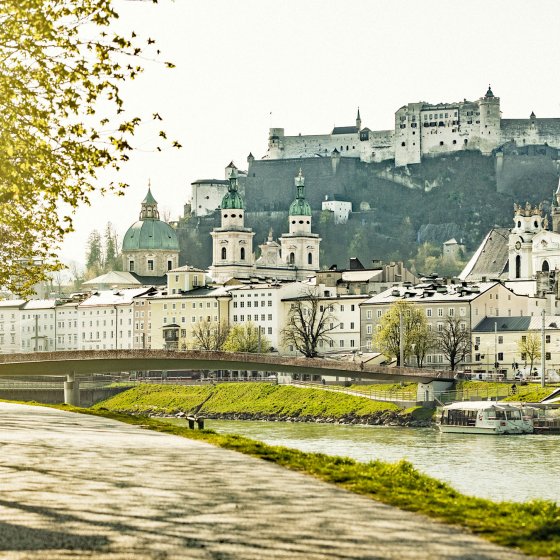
300	247
555	210
528	221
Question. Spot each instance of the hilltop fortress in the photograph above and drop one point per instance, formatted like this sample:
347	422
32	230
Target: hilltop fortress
422	129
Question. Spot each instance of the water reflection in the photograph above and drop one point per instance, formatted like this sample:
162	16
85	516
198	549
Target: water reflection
496	467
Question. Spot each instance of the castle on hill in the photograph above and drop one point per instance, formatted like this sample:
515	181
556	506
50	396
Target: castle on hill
422	129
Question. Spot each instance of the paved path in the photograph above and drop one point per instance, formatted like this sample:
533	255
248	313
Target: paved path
76	486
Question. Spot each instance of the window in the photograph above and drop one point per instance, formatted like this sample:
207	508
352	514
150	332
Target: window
368	314
500	340
352	307
500	356
428	312
150	264
224	253
309	258
341	325
242	253
451	312
462	311
131	266
379	313
547	355
440	327
440	312
169	265
352	326
369	329
291	258
547	338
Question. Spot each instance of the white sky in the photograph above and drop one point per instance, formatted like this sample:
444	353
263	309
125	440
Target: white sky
306	65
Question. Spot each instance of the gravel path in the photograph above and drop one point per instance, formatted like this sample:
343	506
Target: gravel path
76	486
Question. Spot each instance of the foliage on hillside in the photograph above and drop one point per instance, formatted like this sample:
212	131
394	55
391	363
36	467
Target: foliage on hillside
250	398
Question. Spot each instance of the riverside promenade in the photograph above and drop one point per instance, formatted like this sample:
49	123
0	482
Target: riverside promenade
77	486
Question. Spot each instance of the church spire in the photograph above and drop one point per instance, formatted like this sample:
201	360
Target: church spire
358	120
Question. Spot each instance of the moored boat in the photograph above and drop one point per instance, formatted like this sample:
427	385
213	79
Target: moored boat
484	417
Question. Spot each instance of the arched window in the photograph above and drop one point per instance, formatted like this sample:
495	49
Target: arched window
518	266
545	266
309	258
224	253
291	258
242	253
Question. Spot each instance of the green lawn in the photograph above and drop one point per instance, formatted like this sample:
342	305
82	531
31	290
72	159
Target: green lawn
252	398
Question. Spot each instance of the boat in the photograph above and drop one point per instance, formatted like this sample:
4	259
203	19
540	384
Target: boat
484	417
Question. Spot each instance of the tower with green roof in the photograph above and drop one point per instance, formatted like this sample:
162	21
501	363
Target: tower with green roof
150	246
232	242
300	247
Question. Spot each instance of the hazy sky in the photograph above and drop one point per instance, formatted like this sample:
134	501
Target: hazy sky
306	65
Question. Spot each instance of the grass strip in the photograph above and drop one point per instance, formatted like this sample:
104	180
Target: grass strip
251	398
533	526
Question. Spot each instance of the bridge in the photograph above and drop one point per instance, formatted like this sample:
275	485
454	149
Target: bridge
72	363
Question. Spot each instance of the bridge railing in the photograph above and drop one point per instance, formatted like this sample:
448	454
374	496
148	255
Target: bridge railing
389	395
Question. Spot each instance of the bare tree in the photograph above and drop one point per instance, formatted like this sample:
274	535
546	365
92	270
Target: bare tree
454	341
209	335
310	320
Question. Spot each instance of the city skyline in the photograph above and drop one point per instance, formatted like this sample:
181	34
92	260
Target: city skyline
306	68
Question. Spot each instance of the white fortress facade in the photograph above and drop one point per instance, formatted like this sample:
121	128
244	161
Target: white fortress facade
422	129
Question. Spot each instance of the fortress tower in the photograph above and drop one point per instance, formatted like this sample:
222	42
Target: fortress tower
490	133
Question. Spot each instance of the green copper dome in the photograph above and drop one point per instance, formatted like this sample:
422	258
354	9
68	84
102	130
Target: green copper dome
232	199
149	232
300	206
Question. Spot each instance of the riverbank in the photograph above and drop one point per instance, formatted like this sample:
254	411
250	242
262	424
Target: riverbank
533	527
273	403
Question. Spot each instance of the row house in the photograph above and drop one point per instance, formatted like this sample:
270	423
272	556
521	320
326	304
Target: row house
497	344
10	331
471	303
344	322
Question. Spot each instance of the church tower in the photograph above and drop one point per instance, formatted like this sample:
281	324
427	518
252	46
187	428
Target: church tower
232	243
528	221
555	210
358	120
300	247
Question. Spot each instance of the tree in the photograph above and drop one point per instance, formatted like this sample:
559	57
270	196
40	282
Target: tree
94	254
529	347
246	338
454	341
309	323
61	71
112	259
416	336
209	335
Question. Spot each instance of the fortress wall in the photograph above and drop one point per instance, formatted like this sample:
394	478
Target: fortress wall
318	145
531	131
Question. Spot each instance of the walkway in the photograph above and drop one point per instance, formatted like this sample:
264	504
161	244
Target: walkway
76	486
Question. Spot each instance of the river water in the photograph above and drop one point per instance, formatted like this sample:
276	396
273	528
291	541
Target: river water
517	468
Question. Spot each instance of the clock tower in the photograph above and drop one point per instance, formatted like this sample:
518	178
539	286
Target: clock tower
528	221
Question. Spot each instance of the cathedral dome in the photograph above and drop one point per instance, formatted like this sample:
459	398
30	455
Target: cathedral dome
149	232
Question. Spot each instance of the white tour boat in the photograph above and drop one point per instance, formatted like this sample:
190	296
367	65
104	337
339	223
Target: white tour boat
484	417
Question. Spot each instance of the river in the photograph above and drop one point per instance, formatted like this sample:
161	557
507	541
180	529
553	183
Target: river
517	468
